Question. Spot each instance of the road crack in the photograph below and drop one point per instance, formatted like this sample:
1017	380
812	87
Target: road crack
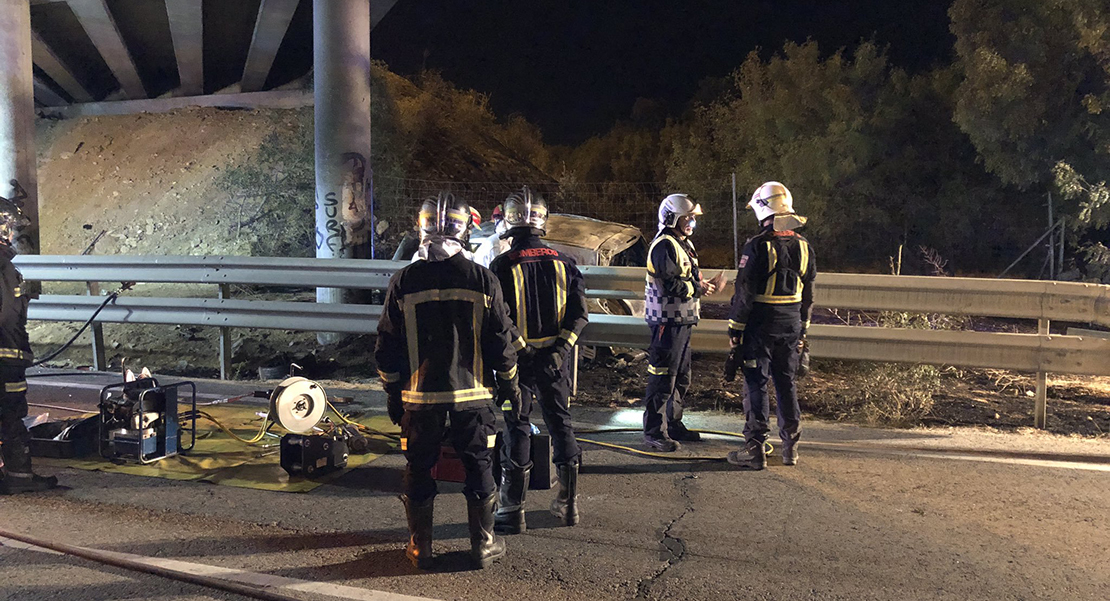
673	548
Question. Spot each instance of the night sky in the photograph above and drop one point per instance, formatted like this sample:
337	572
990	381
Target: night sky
574	67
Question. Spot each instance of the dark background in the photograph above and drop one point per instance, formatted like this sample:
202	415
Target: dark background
575	67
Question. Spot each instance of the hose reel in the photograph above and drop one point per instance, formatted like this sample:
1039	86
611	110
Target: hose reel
298	404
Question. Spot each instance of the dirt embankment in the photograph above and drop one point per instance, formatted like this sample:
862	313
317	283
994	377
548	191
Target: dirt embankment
153	182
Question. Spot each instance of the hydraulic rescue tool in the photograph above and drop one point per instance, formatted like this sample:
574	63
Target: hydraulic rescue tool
298	404
139	420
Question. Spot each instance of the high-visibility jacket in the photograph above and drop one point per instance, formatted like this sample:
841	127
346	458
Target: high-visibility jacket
15	346
444	334
545	292
673	290
776	269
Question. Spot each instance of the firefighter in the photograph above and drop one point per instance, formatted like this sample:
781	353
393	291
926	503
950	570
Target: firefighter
495	244
770	314
444	348
546	295
672	308
15	357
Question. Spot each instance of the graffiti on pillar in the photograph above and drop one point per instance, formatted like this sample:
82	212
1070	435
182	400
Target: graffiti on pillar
356	221
332	235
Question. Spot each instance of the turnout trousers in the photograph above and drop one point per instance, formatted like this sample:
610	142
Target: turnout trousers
770	353
541	384
471	432
668	378
13	408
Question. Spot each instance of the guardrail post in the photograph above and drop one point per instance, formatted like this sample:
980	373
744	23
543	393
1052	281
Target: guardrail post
99	361
225	339
1040	404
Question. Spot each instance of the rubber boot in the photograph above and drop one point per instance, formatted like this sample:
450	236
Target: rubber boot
419	550
485	546
565	505
790	450
15	483
753	457
509	518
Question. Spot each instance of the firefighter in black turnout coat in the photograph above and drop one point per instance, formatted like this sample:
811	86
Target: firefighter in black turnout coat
546	295
770	314
445	346
672	308
15	357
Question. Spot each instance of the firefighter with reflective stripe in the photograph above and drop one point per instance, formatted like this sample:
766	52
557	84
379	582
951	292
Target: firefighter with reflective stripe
770	314
15	357
546	295
672	309
445	347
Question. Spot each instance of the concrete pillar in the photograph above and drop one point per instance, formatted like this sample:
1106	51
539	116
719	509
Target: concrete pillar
341	73
17	120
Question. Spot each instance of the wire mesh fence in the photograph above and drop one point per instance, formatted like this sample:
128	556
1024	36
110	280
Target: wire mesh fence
396	202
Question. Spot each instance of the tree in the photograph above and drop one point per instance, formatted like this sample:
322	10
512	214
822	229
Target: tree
1036	92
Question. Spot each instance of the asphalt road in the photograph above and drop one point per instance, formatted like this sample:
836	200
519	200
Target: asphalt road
867	514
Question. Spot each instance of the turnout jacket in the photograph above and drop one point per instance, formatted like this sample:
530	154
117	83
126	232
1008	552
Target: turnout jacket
443	333
776	269
15	346
545	292
673	288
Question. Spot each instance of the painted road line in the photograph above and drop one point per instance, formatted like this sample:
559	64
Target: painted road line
956	456
262	582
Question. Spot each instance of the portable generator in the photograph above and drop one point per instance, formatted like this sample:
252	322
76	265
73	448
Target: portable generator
139	421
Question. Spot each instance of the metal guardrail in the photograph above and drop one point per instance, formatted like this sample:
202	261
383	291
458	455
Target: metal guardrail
1037	300
1025	299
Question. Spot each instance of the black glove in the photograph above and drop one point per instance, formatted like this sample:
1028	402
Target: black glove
508	396
803	360
393	404
732	362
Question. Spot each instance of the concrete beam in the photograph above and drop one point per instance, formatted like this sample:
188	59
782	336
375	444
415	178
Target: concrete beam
378	10
46	60
187	31
47	96
101	28
269	30
273	99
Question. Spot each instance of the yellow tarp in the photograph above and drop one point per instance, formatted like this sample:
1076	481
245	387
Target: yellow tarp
220	459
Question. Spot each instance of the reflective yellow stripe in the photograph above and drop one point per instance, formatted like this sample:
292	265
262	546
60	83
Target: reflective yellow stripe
521	308
491	441
772	262
736	325
507	375
805	256
416	397
458	215
389	378
805	326
18	291
690	288
569	336
544	342
560	289
658	371
771	299
11	353
404	444
15	386
506	405
518	344
685	266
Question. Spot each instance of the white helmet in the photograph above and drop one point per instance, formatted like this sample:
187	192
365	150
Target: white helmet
774	199
674	207
525	208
